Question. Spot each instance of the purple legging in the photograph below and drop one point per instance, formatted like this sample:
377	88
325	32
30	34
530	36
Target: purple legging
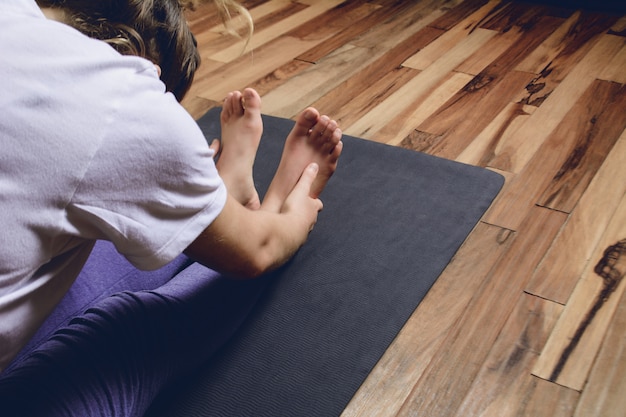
120	336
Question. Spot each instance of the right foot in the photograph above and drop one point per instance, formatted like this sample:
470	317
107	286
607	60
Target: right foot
314	138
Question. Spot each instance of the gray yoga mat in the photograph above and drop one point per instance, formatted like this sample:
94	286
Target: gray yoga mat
392	220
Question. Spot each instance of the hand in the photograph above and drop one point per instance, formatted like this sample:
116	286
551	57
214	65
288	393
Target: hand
245	243
299	203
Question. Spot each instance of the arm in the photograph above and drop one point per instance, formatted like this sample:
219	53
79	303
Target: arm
246	243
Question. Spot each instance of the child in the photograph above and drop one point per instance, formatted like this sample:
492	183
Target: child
94	149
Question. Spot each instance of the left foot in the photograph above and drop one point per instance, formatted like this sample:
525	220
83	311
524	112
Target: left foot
242	127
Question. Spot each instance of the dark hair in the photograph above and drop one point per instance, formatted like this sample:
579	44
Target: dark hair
154	29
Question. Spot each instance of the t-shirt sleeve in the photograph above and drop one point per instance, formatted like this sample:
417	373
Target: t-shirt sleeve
152	186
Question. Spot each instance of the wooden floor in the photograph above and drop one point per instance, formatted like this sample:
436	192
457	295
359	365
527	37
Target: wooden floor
529	318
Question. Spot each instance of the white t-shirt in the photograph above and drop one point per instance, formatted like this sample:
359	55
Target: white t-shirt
91	147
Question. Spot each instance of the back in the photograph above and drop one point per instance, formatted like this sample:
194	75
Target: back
92	148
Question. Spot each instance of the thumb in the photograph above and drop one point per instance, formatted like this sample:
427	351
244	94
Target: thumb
303	187
308	176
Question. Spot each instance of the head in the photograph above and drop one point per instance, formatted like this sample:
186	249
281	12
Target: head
153	29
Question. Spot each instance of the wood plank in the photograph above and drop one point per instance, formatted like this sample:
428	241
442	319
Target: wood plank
435	50
276	30
304	88
575	342
350	101
386	388
504	384
359	93
204	15
528	185
619	28
345	22
421	85
279	76
213	39
399	130
581	35
603	395
549	400
518	147
549	49
245	70
411	18
522	14
615	70
565	262
606	119
472	109
482	98
494	48
274	12
567	44
331	71
335	20
456	13
482	149
449	376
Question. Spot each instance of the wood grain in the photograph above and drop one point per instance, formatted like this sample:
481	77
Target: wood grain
248	68
519	146
577	337
342	64
449	39
419	86
606	119
604	395
565	262
505	383
401	127
472	109
483	148
558	148
367	86
271	32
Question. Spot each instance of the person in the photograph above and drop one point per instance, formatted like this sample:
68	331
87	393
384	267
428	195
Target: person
96	147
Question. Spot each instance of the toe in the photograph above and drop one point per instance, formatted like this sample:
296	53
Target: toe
320	127
306	121
336	135
334	154
251	99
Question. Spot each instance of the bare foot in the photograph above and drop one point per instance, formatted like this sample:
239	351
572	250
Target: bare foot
314	138
241	133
